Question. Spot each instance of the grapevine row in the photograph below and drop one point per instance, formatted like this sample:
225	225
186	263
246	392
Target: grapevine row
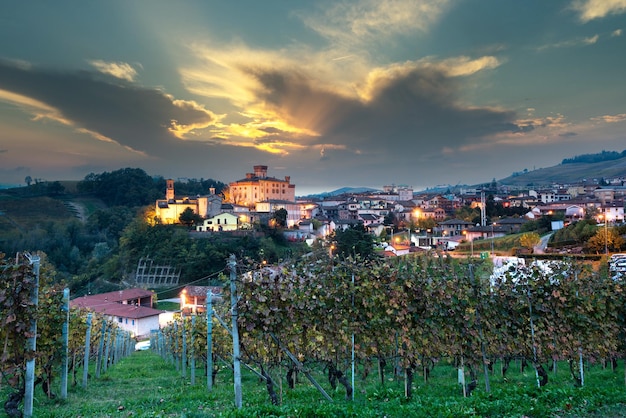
412	314
65	340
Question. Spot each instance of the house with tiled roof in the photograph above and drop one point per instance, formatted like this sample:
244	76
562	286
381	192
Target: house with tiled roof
370	219
453	227
512	225
193	298
485	232
130	308
222	222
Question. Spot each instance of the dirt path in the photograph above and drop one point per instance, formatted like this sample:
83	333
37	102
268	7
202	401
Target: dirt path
80	210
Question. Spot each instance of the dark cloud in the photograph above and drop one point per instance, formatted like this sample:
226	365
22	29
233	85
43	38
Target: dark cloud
14	174
2	151
568	134
132	116
415	111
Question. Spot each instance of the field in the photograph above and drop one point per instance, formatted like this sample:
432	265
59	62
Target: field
24	214
145	385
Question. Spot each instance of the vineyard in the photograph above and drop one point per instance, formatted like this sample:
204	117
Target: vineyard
43	339
370	330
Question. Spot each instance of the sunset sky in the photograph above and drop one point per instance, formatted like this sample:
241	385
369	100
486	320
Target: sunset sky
332	93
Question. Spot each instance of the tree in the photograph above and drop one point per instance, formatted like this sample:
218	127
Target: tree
56	188
426	224
189	218
125	187
467	213
226	195
605	238
280	216
354	241
390	219
28	180
530	240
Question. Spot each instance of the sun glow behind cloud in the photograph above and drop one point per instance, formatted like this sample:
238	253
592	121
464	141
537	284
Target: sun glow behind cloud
180	130
38	109
329	85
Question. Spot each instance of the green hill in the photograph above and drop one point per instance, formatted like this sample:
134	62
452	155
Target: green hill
569	173
26	213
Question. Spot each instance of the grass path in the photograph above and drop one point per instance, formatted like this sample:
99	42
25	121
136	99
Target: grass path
141	385
145	385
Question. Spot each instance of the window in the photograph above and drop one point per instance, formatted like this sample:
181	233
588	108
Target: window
133	322
120	319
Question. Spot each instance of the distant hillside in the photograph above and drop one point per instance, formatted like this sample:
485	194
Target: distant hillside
344	190
26	214
572	170
595	158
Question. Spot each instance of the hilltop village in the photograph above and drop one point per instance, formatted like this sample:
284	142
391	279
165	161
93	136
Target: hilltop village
426	219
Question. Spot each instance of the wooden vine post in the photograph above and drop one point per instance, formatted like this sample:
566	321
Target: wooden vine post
209	339
232	264
483	350
192	352
103	332
87	349
532	334
66	340
29	383
183	356
107	349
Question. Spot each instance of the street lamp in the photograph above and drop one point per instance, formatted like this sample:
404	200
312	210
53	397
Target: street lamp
466	233
492	237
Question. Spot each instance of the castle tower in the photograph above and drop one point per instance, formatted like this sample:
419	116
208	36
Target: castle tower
260	171
169	190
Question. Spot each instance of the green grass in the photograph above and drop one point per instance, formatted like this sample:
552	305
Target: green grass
90	204
168	306
144	385
501	245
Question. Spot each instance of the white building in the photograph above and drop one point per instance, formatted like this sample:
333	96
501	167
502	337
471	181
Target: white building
221	222
168	210
131	309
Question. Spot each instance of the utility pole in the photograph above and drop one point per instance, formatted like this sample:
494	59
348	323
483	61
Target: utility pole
483	209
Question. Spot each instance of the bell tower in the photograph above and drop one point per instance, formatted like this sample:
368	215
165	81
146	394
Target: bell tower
169	190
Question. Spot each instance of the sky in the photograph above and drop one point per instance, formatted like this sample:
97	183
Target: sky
332	93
